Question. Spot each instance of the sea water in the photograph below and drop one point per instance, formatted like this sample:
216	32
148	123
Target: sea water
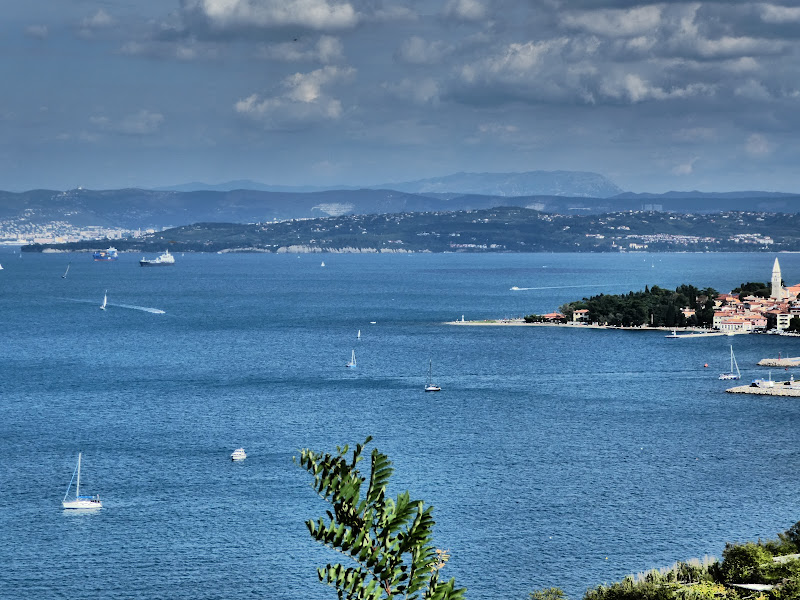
552	456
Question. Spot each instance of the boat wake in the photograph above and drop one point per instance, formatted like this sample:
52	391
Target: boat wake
562	287
155	311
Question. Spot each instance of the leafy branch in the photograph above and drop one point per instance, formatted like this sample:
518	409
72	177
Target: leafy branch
389	541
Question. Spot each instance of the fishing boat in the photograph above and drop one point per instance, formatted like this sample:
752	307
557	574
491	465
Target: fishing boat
238	454
430	387
734	370
165	260
105	301
352	362
80	502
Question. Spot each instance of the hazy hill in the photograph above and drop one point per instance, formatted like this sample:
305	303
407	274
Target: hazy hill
143	209
530	183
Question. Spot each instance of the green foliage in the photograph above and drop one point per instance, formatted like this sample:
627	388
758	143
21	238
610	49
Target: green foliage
794	324
654	306
551	593
389	541
743	563
752	288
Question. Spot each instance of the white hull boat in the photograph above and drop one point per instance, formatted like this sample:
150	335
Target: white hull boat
80	502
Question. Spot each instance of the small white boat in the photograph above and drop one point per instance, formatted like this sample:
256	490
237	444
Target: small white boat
352	362
323	264
358	337
763	383
430	387
105	301
165	260
238	454
1	267
80	502
734	371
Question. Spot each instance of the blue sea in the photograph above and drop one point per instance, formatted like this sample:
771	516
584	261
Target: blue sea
552	456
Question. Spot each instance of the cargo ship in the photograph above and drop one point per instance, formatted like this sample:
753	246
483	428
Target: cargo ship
165	260
109	254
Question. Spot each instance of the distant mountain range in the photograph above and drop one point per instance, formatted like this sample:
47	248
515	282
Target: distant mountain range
561	192
532	183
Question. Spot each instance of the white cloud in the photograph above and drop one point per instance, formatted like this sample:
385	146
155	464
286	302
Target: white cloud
418	51
313	14
39	32
632	22
143	122
424	91
185	50
752	90
633	88
303	100
464	10
757	145
686	168
99	20
771	13
516	61
327	50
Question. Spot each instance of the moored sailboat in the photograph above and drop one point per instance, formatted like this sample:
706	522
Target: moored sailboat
734	372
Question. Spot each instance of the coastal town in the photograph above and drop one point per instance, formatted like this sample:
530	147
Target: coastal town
727	313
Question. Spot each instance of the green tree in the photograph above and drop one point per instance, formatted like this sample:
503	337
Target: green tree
389	541
552	593
794	324
742	563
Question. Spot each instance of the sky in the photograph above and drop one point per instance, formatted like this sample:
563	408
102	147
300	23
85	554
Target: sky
144	93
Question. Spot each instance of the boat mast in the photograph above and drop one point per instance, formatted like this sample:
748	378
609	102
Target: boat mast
78	486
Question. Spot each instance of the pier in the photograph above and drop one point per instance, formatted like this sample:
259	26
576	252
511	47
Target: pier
780	362
781	388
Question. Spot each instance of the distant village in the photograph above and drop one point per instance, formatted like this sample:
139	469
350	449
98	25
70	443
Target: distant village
733	313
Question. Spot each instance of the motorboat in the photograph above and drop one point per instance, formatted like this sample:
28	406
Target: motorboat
164	260
238	454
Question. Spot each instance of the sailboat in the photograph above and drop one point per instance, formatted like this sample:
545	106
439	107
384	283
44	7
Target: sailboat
734	365
64	276
352	362
80	502
358	337
105	301
430	387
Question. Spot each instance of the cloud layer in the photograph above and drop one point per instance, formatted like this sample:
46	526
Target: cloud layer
655	95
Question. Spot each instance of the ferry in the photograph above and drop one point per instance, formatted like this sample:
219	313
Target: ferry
109	254
165	260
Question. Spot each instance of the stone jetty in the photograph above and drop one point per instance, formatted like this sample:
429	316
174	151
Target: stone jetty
781	388
780	362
